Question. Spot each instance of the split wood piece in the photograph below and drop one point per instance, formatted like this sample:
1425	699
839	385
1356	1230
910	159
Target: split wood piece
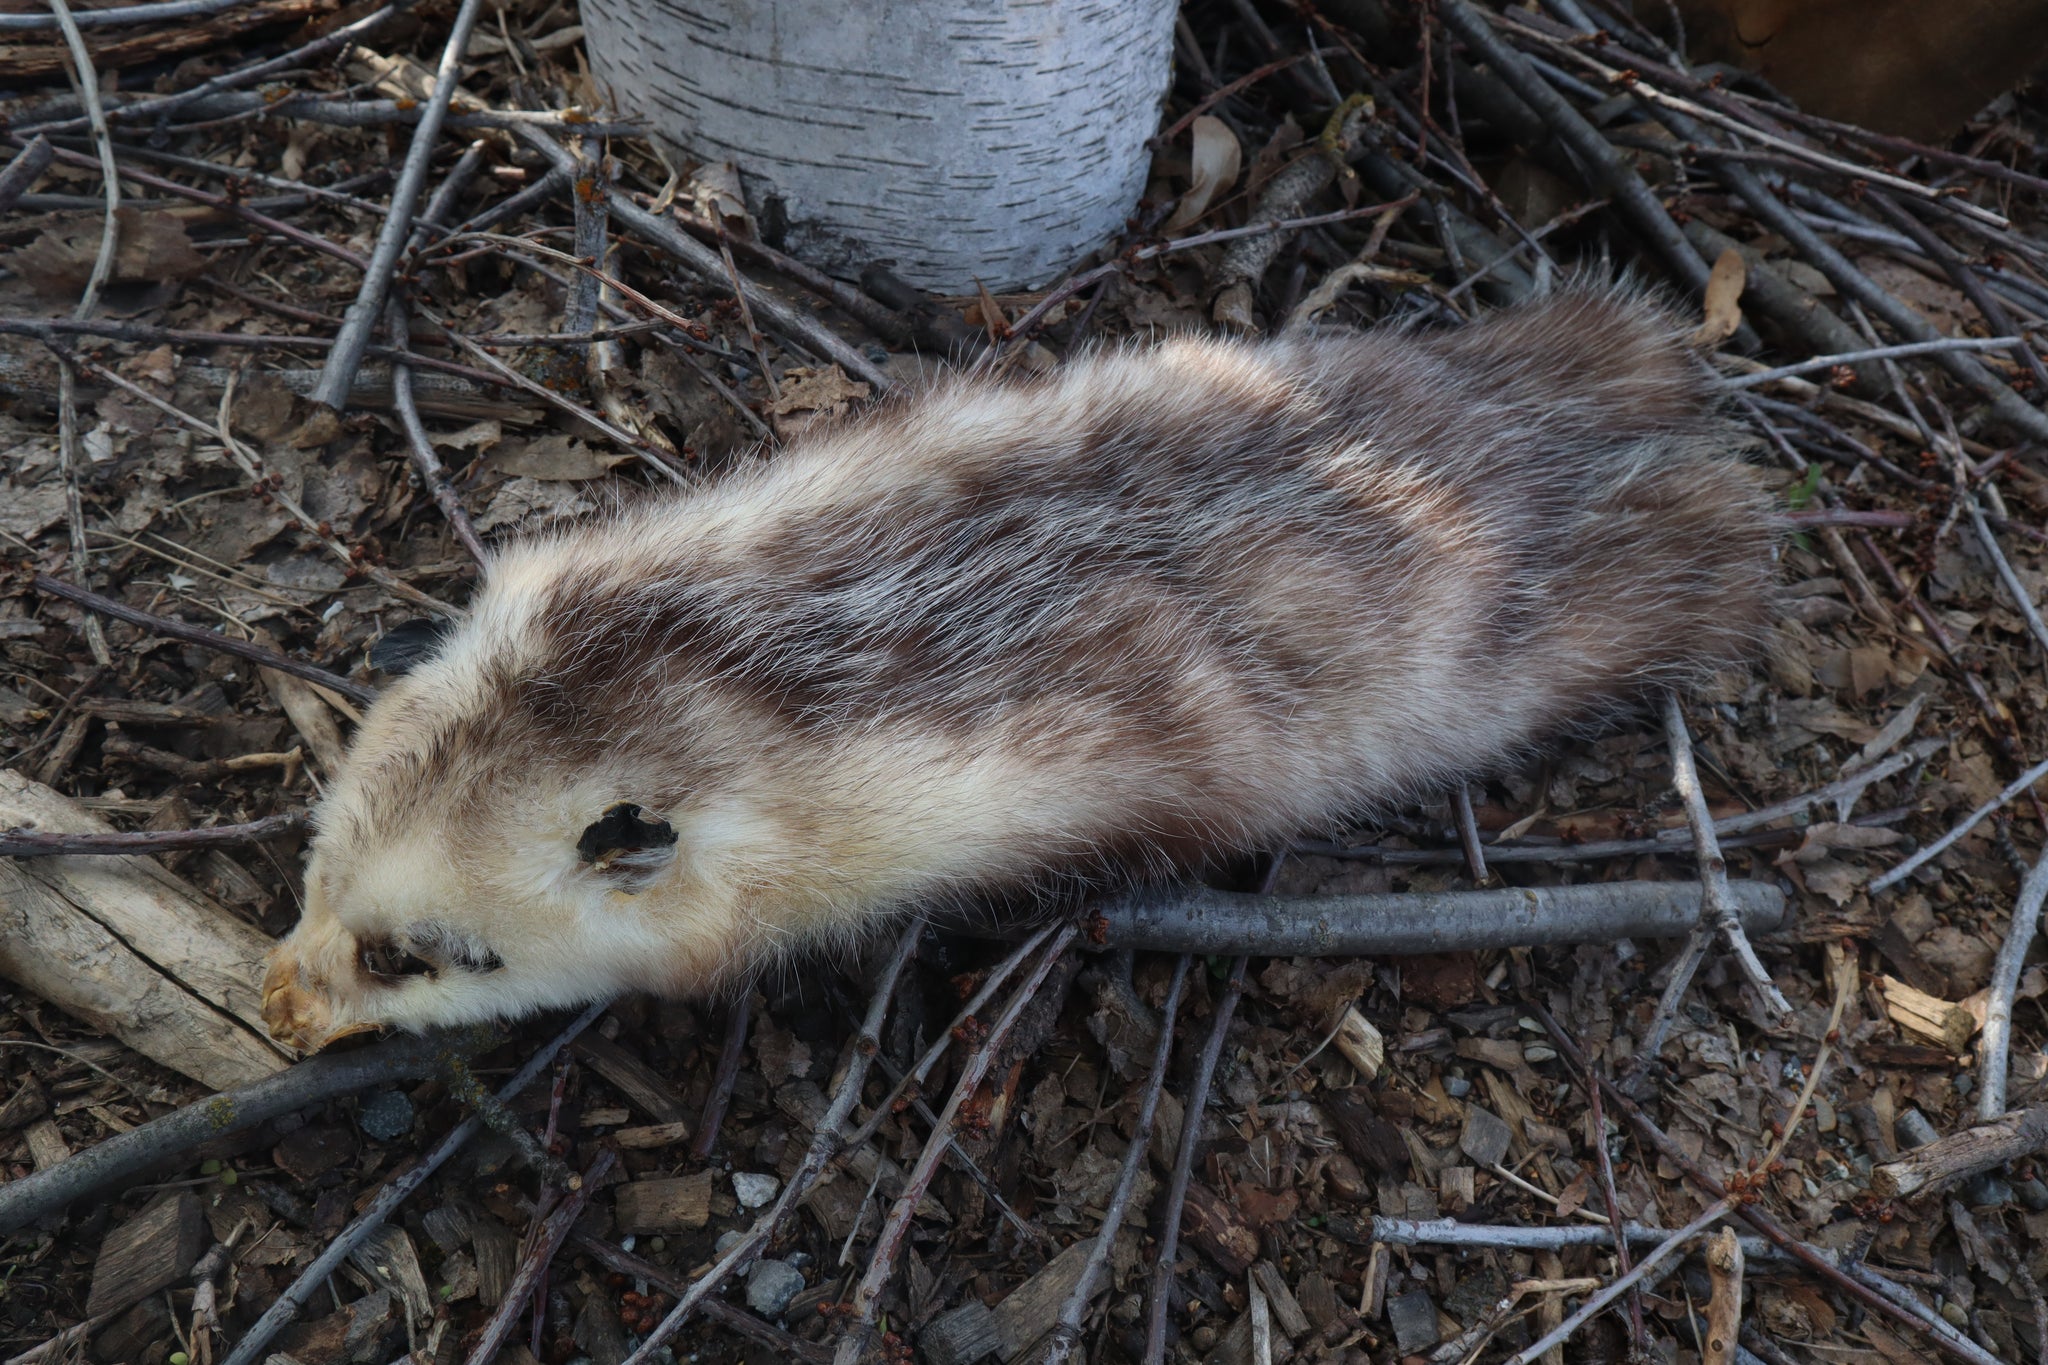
1929	1016
644	1207
637	1081
29	60
974	1331
131	948
1201	920
1361	1044
151	1251
126	1154
1960	1155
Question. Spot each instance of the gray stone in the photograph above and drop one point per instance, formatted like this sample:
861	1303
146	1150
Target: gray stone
752	1190
771	1285
386	1115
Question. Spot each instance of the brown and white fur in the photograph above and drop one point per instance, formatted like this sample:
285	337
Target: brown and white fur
1159	605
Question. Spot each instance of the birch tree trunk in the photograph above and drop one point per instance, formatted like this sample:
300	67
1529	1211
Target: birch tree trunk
952	140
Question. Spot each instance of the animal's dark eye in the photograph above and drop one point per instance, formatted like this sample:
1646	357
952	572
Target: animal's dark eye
403	648
394	959
623	832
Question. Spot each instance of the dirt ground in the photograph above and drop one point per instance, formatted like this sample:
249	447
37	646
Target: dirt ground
1343	1093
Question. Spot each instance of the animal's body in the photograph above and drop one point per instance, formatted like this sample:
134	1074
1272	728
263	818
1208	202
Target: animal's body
1159	605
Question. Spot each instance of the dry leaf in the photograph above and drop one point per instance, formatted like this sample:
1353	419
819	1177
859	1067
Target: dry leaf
553	456
1214	165
1723	301
716	196
154	248
1573	1197
826	391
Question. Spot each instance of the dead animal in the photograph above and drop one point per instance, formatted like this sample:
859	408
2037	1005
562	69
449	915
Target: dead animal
1026	633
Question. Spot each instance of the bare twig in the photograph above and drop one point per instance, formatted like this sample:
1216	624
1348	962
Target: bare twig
1452	1233
1718	912
87	81
280	1314
419	446
1067	1333
826	1143
914	1079
730	1055
1468	835
2017	787
354	338
23	171
708	265
1593	1305
718	1310
1994	1045
17	843
1184	1165
1607	166
204	638
1900	352
533	1267
1859	1281
896	1226
1611	1199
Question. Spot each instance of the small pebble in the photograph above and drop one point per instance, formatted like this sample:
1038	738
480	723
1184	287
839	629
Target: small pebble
1539	1052
386	1115
771	1285
754	1190
1953	1311
2034	1195
1457	1087
726	1241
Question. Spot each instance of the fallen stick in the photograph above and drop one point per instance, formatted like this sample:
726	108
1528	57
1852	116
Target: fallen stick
1963	1154
1993	1050
281	1313
1449	1232
204	638
313	1081
2017	787
1201	920
34	843
1598	1302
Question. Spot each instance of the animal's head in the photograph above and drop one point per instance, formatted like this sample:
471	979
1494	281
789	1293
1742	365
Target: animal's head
521	824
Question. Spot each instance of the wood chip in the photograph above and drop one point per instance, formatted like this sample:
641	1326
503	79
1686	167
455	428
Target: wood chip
682	1204
1362	1044
151	1251
640	1083
1927	1016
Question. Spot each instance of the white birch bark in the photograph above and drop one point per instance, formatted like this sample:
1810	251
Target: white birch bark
952	140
